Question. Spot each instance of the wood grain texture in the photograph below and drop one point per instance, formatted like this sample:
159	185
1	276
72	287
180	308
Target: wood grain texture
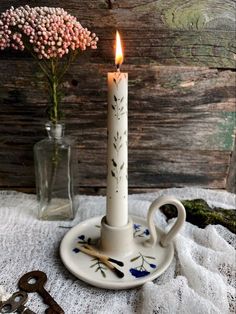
231	178
171	14
179	133
195	32
180	57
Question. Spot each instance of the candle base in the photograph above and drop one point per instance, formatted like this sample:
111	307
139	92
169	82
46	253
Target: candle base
140	263
117	241
140	249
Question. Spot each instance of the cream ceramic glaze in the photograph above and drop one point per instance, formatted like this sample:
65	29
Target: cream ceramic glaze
166	238
141	263
134	244
117	241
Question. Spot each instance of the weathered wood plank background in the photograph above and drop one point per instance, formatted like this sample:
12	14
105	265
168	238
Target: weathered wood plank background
180	56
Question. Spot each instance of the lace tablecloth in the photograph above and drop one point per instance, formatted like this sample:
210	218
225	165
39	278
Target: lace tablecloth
200	279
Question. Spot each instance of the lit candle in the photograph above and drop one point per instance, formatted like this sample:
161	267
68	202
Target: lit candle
117	152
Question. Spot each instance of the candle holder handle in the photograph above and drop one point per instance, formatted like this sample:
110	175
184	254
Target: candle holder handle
166	237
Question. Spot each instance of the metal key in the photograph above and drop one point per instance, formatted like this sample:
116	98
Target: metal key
34	281
16	304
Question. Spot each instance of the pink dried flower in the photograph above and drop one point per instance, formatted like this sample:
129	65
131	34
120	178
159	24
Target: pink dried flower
42	28
49	34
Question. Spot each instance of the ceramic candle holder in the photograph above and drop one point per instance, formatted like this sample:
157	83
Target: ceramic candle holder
142	249
119	241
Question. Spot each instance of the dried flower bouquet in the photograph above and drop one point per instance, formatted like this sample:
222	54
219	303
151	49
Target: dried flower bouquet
50	35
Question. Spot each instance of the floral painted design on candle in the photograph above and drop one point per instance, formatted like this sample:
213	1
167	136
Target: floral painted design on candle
117	156
119	106
117	79
116	172
118	141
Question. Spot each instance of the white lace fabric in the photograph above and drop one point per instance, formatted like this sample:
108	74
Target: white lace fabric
200	279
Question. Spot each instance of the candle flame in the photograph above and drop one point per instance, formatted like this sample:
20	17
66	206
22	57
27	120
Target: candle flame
119	54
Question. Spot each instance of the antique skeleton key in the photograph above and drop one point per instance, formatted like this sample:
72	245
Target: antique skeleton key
34	281
16	303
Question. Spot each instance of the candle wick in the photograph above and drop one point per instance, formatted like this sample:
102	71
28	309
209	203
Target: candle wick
118	67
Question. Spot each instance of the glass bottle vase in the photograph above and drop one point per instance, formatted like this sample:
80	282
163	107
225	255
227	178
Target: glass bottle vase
55	160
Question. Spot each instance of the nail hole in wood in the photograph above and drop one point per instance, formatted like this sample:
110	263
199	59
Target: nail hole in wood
74	82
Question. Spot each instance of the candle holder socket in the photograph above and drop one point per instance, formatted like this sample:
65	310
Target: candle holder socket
117	241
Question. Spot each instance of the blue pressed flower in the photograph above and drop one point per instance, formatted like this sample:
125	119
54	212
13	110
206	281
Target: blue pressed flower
81	237
76	250
146	232
152	265
138	273
137	227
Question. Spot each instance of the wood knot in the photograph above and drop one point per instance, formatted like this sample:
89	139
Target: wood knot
110	4
74	82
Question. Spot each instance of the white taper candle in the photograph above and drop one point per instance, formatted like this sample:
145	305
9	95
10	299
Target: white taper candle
117	152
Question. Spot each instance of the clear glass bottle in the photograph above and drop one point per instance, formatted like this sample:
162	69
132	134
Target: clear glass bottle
55	160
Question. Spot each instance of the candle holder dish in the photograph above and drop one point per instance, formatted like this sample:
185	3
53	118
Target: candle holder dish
144	250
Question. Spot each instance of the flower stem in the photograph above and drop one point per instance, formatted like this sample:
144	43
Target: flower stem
55	102
54	115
